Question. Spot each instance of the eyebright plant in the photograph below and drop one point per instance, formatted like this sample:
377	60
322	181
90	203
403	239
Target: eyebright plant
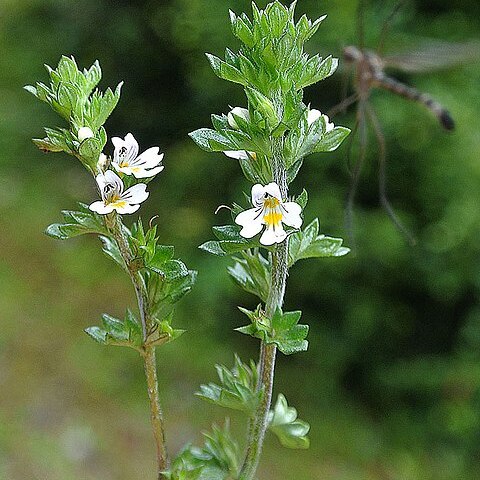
159	280
270	137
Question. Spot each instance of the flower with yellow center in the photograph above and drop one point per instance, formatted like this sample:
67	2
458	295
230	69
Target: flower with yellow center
270	211
126	158
114	198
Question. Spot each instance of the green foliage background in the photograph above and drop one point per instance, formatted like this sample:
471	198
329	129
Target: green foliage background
391	382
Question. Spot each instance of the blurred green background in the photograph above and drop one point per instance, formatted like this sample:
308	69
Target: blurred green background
391	382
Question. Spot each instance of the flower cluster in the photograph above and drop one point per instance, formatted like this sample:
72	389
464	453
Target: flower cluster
125	161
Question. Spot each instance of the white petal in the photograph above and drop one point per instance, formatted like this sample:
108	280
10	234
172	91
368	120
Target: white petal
258	194
328	124
143	173
110	177
127	209
273	190
84	133
149	158
136	194
131	149
239	112
237	154
291	214
251	221
313	116
100	207
273	235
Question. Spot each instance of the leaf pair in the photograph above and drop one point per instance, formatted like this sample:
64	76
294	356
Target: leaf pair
282	329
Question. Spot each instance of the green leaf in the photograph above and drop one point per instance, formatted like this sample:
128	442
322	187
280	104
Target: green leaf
127	333
307	244
332	139
218	459
110	248
251	272
229	241
282	329
283	422
225	70
211	140
77	223
237	389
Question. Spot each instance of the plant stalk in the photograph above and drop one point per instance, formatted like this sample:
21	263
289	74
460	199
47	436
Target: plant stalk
156	414
115	226
259	423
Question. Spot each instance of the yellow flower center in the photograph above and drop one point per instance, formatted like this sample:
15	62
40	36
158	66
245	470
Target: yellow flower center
273	216
118	204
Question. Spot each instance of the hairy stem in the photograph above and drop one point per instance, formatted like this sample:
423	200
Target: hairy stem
156	413
268	352
115	226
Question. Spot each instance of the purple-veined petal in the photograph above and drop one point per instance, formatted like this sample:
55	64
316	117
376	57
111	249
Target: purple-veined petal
252	222
136	194
126	150
149	158
258	194
126	209
273	190
139	172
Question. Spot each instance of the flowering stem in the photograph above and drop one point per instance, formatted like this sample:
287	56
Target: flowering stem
279	271
115	226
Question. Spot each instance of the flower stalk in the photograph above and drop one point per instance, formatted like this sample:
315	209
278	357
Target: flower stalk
115	226
279	271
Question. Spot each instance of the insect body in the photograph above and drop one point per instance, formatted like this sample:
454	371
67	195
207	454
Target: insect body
369	73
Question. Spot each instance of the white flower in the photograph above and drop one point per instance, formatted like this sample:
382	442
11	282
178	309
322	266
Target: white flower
84	133
114	198
125	158
269	210
314	115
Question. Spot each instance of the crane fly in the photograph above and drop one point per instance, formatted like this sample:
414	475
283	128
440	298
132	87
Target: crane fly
369	73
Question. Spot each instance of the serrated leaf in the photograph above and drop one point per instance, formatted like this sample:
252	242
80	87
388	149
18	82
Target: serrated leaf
308	244
283	422
97	333
237	389
251	272
110	248
332	140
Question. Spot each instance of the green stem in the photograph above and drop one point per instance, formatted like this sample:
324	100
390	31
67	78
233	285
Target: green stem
259	423
115	226
156	413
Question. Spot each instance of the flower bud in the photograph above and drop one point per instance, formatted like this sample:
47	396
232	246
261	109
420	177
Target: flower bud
84	133
239	112
102	163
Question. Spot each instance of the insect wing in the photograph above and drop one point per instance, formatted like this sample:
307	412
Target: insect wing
435	55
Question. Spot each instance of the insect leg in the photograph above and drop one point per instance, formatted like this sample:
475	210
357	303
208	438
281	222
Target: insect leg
343	105
387	24
382	177
361	128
